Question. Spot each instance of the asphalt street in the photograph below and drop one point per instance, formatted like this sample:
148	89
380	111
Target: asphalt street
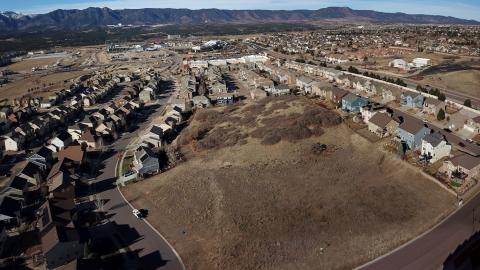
153	251
430	250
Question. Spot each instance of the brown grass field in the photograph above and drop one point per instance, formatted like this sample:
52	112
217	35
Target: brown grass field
27	64
253	202
53	82
465	81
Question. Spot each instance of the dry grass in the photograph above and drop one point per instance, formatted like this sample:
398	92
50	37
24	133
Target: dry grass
466	81
52	82
280	119
27	64
290	206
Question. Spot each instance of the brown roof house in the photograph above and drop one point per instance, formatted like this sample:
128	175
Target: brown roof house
382	125
462	167
90	140
59	177
73	153
60	240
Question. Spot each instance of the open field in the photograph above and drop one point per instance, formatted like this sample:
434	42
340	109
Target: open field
256	194
46	83
26	65
463	77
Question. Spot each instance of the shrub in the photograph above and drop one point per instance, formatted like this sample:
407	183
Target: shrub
468	103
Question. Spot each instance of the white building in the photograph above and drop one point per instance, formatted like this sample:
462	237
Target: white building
421	62
217	62
198	64
399	63
255	58
8	144
435	147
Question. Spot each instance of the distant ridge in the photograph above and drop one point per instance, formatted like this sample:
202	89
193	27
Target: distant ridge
70	19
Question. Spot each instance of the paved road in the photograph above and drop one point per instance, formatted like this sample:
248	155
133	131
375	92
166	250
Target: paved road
154	252
431	249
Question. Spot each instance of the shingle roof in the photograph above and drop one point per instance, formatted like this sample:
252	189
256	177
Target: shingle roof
466	161
433	101
411	127
350	97
339	93
381	119
74	153
156	130
434	138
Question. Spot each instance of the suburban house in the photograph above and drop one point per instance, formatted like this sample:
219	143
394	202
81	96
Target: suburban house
43	158
75	132
146	95
73	153
5	112
154	136
315	88
387	95
62	140
90	140
203	102
5	125
304	83
473	125
462	167
411	133
412	100
32	173
8	144
370	110
353	103
382	124
433	106
9	209
222	98
435	147
279	90
145	162
60	241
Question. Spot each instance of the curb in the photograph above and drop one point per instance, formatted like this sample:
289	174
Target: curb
418	237
156	231
144	220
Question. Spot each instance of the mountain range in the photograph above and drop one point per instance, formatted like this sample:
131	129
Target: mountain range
93	17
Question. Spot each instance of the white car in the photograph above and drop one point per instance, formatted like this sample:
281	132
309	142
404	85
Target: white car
137	213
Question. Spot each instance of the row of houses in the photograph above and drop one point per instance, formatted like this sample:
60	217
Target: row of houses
47	187
44	191
432	143
199	64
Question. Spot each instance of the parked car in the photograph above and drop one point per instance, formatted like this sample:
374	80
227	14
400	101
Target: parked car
137	213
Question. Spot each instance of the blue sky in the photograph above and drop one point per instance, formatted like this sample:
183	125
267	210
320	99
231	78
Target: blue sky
468	9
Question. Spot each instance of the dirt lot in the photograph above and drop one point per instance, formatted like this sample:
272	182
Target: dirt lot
254	203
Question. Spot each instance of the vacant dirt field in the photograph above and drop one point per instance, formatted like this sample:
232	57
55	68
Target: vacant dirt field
254	203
